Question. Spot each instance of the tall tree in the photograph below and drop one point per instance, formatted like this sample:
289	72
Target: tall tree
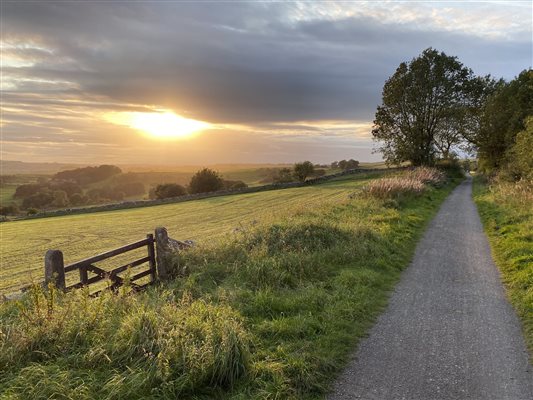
503	116
421	106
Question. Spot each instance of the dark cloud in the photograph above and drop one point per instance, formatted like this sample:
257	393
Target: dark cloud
232	62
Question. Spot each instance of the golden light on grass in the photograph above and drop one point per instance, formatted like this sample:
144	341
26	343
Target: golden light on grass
162	124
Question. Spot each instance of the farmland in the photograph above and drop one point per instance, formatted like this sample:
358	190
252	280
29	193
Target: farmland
269	305
24	243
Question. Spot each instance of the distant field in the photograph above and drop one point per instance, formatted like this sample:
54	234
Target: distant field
23	243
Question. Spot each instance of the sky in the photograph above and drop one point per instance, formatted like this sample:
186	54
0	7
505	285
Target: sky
205	82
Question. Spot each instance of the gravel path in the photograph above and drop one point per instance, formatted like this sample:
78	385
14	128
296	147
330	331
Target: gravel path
448	332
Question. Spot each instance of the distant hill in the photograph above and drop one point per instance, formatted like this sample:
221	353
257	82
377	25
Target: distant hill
20	167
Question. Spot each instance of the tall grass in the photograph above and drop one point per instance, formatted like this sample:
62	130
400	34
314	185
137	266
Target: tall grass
271	312
506	210
411	183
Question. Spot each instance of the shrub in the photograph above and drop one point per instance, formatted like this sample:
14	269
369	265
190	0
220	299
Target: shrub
206	180
32	211
303	169
11	209
168	190
283	175
38	200
232	185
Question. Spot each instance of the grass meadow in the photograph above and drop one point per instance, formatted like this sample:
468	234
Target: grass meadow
506	210
24	243
271	310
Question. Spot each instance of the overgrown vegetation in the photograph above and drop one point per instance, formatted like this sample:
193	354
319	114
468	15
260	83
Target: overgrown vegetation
507	214
271	312
414	182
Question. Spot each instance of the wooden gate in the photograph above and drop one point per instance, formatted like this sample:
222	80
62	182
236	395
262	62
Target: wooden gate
55	269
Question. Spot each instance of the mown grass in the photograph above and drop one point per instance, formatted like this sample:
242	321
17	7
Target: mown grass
24	243
507	214
271	312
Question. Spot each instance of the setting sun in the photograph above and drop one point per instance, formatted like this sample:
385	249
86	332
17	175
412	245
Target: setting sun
159	124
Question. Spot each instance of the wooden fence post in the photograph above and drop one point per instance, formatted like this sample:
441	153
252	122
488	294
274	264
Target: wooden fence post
162	249
54	269
151	255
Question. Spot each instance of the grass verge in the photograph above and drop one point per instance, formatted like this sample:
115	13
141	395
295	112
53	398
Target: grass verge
507	215
270	313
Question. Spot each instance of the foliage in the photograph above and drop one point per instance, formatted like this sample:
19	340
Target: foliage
423	108
232	185
205	180
507	215
283	175
77	199
27	190
502	118
38	200
11	209
348	164
519	158
303	169
271	312
88	174
168	190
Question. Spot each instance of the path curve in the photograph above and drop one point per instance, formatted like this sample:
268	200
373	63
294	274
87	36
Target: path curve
449	331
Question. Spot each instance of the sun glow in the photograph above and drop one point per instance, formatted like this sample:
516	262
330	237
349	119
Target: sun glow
159	124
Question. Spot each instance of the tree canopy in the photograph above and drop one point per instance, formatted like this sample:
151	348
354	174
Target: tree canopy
206	180
503	115
302	170
425	105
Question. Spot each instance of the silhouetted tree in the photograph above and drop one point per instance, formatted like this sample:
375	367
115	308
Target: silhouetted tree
205	180
420	102
302	170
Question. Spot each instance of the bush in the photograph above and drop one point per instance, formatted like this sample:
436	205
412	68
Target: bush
520	159
283	175
27	190
302	170
11	209
168	190
206	180
32	211
232	185
38	200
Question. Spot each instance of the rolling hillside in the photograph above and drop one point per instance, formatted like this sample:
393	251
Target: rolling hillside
24	243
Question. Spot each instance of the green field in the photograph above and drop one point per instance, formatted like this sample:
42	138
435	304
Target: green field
271	310
24	243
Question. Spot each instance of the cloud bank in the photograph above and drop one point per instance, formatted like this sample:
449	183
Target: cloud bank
285	81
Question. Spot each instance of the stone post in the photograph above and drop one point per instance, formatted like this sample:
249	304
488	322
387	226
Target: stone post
162	252
54	269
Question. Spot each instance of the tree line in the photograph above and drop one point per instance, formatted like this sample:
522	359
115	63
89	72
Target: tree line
434	107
